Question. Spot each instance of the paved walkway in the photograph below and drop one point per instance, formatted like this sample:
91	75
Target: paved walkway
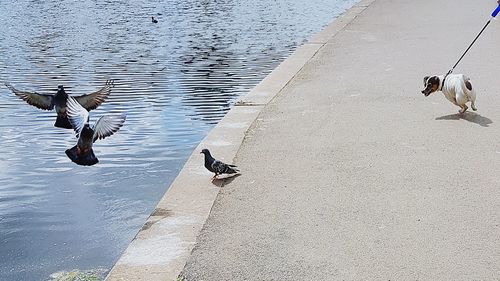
352	174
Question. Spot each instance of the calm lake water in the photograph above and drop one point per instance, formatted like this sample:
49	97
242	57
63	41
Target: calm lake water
174	79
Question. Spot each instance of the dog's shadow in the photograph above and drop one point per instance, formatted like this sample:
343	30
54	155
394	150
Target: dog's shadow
468	116
220	182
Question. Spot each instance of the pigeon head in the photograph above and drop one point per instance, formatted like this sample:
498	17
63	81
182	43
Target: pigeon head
87	131
205	151
60	88
61	92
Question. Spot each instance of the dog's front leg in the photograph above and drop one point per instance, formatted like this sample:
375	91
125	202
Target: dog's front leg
463	109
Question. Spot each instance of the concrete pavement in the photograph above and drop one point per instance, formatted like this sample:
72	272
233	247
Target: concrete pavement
350	173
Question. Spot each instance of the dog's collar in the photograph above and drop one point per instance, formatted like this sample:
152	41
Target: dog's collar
442	83
444	78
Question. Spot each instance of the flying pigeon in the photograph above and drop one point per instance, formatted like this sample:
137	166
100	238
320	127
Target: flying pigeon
216	166
82	153
48	102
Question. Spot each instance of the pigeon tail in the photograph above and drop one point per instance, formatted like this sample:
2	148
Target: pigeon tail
86	159
231	170
63	122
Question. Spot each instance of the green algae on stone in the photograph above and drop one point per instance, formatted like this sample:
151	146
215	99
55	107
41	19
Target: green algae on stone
77	275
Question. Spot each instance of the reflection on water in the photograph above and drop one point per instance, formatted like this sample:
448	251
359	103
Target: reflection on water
174	79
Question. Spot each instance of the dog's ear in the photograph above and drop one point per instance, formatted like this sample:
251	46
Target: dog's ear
434	80
425	80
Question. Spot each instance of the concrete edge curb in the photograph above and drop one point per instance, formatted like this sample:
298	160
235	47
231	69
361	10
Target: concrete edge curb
162	247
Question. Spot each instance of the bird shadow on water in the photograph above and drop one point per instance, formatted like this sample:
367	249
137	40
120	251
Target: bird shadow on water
220	182
468	116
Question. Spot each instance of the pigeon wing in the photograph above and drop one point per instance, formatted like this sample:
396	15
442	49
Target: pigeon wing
77	115
223	168
45	102
93	100
108	125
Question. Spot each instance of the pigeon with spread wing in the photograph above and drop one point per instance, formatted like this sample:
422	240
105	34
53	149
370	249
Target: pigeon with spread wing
82	153
216	166
59	100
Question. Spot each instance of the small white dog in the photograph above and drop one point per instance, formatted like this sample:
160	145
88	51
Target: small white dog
457	88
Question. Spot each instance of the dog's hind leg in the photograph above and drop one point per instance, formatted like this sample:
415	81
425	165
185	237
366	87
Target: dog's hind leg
473	105
462	99
471	93
472	97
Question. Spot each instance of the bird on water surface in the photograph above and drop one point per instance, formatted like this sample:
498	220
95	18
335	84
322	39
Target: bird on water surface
82	153
153	20
216	166
58	101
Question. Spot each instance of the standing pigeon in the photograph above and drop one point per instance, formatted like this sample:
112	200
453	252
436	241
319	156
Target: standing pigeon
216	166
82	153
48	102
